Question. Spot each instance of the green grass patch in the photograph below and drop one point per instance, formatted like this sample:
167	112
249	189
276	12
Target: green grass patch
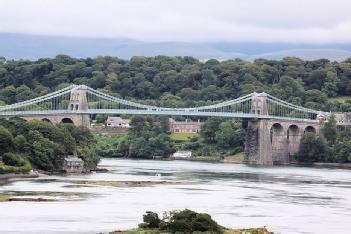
340	99
183	136
110	139
4	197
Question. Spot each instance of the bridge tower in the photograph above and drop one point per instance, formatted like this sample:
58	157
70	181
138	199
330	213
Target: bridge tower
258	147
79	103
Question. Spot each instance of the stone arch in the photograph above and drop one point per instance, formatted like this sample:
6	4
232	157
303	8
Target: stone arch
67	120
279	144
46	120
71	107
276	129
310	129
293	139
77	106
293	130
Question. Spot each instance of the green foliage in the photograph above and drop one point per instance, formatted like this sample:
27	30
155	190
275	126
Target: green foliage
178	81
101	118
209	128
218	137
6	140
312	149
151	220
148	137
329	130
43	145
342	150
229	134
111	146
15	160
183	221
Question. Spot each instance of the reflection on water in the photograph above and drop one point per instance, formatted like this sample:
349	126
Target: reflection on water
285	199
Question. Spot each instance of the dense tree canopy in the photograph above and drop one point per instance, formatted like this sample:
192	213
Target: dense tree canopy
42	145
181	81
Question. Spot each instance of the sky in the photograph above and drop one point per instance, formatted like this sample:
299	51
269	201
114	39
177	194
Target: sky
291	21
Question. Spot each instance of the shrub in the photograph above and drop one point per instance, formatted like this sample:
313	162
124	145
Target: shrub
12	159
184	221
151	220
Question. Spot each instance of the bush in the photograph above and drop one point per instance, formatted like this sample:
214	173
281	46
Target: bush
13	163
15	160
184	221
312	149
151	220
189	221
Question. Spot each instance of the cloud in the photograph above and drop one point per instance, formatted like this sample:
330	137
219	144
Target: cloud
311	21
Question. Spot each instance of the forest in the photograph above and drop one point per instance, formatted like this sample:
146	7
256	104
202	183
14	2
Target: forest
42	145
183	81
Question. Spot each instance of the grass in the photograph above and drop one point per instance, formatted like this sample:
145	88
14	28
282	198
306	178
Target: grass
237	158
110	139
4	197
183	136
341	99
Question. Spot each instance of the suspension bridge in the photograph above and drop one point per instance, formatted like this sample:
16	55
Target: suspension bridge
274	129
80	99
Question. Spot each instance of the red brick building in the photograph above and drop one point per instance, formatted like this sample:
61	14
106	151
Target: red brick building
186	126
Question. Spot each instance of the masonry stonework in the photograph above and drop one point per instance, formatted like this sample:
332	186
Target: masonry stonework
271	142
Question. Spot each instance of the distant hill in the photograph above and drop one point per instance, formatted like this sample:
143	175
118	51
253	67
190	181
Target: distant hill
306	54
17	46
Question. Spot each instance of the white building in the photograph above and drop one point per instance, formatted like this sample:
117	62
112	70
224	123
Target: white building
118	122
182	154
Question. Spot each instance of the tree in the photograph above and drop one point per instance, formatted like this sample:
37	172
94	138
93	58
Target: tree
342	150
209	128
229	135
312	149
151	220
140	148
15	160
6	140
330	86
161	145
329	130
101	118
21	144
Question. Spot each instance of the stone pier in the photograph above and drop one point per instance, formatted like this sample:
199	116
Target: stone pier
271	142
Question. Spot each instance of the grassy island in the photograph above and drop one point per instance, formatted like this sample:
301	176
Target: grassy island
185	221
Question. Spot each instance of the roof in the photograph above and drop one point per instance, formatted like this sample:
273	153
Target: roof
183	122
73	159
117	120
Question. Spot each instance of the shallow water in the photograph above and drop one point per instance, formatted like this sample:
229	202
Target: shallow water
284	199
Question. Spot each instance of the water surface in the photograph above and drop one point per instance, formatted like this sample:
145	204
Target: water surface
284	199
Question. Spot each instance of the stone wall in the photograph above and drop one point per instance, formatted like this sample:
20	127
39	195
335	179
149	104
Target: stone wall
271	142
76	119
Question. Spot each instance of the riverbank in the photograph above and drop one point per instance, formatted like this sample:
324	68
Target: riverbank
10	176
323	165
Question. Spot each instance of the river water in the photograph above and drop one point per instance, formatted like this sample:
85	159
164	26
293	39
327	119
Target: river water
284	199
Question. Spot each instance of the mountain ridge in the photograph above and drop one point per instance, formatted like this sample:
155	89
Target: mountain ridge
32	47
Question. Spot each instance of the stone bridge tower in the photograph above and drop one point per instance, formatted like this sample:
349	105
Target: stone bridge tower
258	149
76	111
271	141
79	103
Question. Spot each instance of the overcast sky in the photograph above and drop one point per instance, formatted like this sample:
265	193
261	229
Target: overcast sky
307	21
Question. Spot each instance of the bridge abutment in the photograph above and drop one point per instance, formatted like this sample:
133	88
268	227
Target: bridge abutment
271	142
